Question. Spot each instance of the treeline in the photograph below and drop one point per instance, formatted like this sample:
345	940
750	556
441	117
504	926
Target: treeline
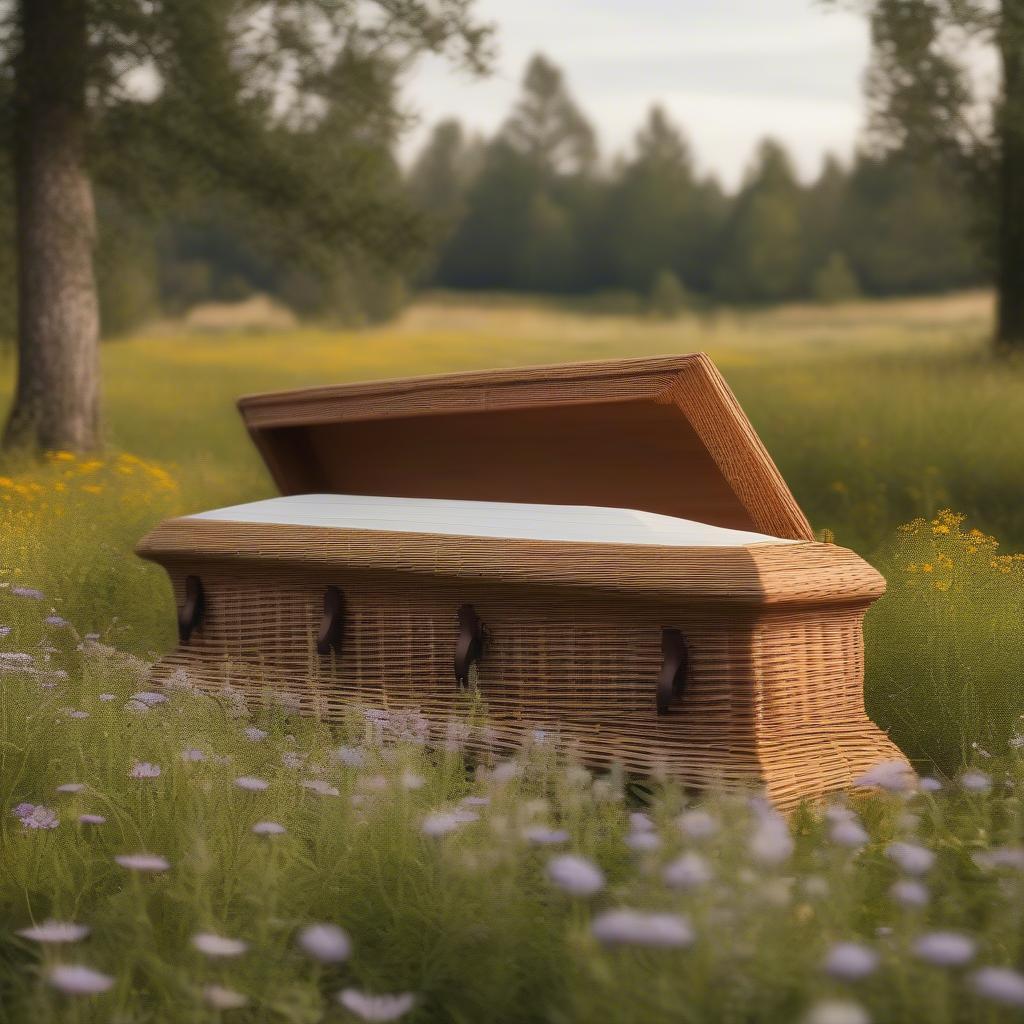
534	209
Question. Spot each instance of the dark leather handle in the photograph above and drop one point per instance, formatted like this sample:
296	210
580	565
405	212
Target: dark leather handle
190	614
674	663
332	625
470	645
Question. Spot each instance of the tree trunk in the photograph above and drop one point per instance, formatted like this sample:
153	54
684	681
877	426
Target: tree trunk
56	404
1010	270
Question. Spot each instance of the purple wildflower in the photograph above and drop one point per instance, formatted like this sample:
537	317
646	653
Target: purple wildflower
575	875
641	928
55	932
79	980
325	942
376	1008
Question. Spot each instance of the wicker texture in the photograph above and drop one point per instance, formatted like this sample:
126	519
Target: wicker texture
774	689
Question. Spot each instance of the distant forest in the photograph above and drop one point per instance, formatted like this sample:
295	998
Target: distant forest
537	209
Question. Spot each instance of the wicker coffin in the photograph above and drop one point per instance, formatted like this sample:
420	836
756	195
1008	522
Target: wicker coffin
704	635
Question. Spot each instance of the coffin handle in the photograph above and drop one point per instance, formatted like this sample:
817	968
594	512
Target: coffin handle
332	625
470	645
674	663
190	614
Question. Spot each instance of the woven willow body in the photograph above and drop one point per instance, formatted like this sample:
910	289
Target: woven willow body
773	688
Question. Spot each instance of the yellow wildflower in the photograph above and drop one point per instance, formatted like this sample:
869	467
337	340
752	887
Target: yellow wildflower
92	488
927	567
942	585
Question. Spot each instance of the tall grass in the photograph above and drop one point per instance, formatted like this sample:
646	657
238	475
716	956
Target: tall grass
877	416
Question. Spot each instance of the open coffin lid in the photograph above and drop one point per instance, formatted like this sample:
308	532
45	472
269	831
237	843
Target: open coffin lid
662	435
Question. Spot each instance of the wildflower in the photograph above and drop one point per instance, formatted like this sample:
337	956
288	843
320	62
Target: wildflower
640	928
14	660
251	784
36	816
1001	857
150	862
221	998
929	785
643	841
1000	984
850	961
218	945
771	843
5	631
690	871
411	780
542	836
76	714
849	833
92	819
79	980
57	621
697	824
639	822
325	942
914	859
837	1011
144	770
376	1008
909	893
149	698
268	828
28	592
351	757
505	772
292	759
55	932
945	949
893	776
321	787
71	787
575	875
191	754
255	735
107	697
441	823
976	781
475	801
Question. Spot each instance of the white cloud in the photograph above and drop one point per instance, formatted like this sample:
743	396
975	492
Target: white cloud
731	71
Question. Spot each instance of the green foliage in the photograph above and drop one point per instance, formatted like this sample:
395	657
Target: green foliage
668	296
835	281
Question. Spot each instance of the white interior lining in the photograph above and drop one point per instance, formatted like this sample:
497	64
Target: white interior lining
508	520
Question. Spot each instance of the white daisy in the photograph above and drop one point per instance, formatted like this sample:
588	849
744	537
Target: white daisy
79	980
55	932
251	784
221	998
325	942
218	945
143	862
376	1008
268	828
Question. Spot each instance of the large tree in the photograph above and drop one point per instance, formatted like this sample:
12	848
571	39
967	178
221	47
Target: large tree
929	103
218	93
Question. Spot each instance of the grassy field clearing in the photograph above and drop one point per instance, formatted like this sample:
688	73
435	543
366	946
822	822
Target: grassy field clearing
878	414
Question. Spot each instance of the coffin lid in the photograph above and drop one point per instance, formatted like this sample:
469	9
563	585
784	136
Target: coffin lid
661	435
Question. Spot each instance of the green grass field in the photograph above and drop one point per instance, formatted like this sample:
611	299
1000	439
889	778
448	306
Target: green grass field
879	415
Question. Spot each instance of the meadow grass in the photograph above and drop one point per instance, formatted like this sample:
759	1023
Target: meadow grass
879	415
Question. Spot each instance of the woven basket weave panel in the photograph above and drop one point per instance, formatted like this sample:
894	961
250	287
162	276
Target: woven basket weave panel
771	698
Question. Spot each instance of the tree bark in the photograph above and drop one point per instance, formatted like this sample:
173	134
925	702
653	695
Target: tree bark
1010	269
56	404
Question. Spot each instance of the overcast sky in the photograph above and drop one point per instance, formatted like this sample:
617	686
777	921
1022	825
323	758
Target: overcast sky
729	71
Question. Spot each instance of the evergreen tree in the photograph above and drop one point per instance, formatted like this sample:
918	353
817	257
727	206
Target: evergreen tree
763	242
